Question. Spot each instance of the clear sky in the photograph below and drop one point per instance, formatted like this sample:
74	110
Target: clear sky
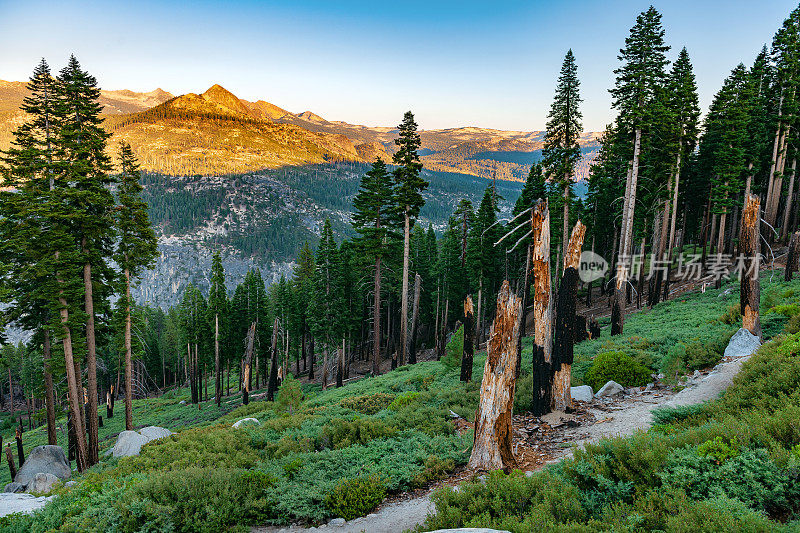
454	63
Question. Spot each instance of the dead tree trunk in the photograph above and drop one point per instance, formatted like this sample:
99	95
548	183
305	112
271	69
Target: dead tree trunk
248	356
272	386
565	321
469	346
526	289
340	365
50	399
492	448
750	248
792	258
10	457
412	350
542	310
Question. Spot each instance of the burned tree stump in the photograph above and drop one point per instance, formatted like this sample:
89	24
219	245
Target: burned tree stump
542	310
468	353
10	457
20	449
492	447
594	329
750	249
248	357
581	334
564	338
272	384
792	258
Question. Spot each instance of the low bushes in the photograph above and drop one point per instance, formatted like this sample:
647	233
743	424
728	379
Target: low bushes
368	404
619	367
351	498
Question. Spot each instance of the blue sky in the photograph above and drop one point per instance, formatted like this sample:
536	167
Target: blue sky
454	63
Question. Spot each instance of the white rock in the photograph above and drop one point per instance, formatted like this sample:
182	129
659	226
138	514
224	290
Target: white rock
583	393
611	388
130	443
46	459
182	402
337	522
246	422
42	483
742	344
21	503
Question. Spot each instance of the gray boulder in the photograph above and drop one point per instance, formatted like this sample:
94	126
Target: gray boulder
14	487
742	344
611	388
129	443
21	503
337	522
46	459
246	422
584	393
42	483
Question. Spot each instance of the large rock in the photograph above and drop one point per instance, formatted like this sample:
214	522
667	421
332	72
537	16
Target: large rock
129	443
42	483
46	459
611	388
21	503
246	422
743	343
583	393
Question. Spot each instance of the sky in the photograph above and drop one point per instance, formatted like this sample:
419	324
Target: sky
490	64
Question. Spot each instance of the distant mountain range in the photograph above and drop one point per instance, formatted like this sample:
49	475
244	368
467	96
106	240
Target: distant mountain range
218	133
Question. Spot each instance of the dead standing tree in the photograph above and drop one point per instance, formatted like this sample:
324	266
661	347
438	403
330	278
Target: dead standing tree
492	445
248	357
565	321
542	310
792	258
468	352
750	249
272	384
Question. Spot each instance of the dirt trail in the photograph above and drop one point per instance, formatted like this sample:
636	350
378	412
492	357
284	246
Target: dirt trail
608	417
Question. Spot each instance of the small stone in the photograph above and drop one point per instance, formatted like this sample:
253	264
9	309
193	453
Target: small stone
14	487
42	483
611	388
70	483
529	473
182	402
696	374
337	522
660	376
742	344
649	387
372	515
583	393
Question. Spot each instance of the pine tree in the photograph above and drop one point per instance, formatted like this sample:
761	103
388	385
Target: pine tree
375	218
217	308
533	190
327	302
561	150
408	196
303	288
638	83
136	250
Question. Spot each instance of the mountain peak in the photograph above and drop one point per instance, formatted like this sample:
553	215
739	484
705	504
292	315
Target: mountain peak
311	117
217	94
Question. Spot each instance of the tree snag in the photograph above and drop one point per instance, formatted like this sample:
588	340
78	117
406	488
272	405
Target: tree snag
792	259
565	321
412	350
492	448
272	385
248	357
750	249
542	309
468	353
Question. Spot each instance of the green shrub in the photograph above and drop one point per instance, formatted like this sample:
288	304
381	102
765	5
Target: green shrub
619	367
339	433
351	498
793	325
290	395
732	316
673	365
403	400
368	404
434	469
718	449
750	477
671	415
701	355
454	350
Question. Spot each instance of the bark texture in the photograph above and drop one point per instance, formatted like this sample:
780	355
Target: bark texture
468	353
492	446
750	247
542	310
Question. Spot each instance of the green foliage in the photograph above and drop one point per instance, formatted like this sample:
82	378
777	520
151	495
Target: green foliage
351	498
718	449
339	433
404	399
434	469
454	349
368	404
619	367
732	316
671	415
290	396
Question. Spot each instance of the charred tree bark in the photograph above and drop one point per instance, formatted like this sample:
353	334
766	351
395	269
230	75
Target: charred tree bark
792	258
248	356
20	449
340	365
272	385
492	447
10	457
542	310
750	248
468	353
565	321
